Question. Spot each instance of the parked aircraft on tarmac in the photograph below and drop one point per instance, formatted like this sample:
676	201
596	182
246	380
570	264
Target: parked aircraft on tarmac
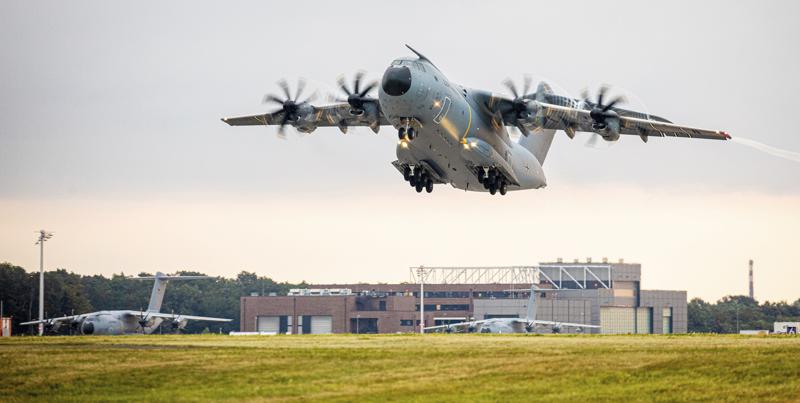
452	134
528	324
129	322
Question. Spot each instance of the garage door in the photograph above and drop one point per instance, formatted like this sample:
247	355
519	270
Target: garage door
269	324
321	325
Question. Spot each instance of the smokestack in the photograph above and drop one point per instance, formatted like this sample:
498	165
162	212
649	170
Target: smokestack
751	280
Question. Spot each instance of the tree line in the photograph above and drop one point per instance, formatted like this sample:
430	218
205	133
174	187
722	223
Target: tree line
738	312
68	293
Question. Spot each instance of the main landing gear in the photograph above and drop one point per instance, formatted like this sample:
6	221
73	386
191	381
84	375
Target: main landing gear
492	180
418	178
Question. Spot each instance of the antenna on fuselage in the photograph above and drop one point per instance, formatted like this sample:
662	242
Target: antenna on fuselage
421	56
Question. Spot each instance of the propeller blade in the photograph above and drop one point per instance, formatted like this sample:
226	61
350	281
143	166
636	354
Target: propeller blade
368	89
301	85
285	87
614	102
585	94
272	98
523	130
527	85
343	86
311	98
592	142
282	127
510	85
357	82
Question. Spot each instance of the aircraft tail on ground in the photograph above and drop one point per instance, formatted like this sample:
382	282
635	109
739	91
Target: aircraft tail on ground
531	315
160	286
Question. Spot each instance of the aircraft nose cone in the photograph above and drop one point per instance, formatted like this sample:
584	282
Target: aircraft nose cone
396	80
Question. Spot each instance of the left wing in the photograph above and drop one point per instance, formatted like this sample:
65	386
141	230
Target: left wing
569	119
567	324
456	325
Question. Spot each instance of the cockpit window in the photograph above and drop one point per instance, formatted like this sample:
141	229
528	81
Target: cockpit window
419	66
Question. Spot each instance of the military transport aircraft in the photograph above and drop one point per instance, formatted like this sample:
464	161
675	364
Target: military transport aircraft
528	324
452	134
129	322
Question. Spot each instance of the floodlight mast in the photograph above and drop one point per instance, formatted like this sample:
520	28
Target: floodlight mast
43	237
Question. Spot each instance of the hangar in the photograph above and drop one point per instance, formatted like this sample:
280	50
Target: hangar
604	294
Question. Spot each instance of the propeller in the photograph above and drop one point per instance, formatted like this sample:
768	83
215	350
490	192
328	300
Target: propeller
601	114
290	106
358	98
519	106
142	319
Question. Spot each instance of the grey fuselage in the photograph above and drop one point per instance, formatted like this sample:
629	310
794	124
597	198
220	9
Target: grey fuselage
455	132
113	323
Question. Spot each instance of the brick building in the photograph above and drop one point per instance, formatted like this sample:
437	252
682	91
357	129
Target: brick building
606	294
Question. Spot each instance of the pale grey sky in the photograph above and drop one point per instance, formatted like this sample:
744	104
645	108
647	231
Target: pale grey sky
109	118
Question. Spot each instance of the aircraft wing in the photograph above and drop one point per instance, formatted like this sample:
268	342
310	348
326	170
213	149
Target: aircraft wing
456	325
52	320
567	324
181	317
566	118
335	115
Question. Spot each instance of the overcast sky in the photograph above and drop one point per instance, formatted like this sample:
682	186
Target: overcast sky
110	137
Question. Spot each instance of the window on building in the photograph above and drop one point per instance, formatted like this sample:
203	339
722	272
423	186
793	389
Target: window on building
382	305
406	322
445	307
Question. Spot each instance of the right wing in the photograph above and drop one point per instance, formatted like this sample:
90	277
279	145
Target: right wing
335	115
179	317
567	324
52	320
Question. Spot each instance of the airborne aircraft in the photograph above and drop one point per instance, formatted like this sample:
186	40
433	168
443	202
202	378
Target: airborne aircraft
528	324
448	133
128	322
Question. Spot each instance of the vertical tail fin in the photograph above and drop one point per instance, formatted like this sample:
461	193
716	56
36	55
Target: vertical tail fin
538	142
157	295
531	314
160	286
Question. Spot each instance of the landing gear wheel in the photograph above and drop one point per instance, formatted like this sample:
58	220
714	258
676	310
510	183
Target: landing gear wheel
412	134
401	133
492	189
406	173
419	187
429	185
503	188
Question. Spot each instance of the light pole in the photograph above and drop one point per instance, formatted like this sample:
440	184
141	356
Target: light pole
421	277
43	237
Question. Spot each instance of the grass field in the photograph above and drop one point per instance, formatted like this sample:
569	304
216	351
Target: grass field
402	367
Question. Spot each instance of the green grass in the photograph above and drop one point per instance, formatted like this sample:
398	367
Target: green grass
402	367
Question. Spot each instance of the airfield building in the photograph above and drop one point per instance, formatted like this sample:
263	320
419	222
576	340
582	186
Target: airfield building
604	294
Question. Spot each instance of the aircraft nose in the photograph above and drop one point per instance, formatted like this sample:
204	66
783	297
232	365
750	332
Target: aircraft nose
396	80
